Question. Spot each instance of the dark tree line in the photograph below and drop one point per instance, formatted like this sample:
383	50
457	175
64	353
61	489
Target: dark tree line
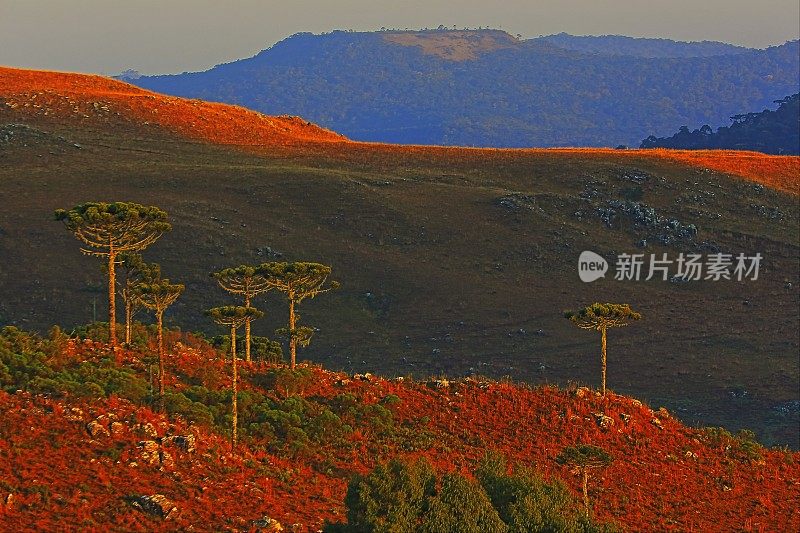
771	132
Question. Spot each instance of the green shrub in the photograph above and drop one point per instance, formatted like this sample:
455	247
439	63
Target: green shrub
391	399
20	369
716	436
61	386
57	342
742	446
207	397
376	417
747	445
404	496
21	341
282	421
288	382
261	348
96	331
121	382
525	502
391	499
359	414
24	364
295	405
461	506
326	427
22	359
179	404
5	375
343	402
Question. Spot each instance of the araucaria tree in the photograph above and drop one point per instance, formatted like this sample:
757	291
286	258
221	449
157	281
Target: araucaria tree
158	296
135	272
108	230
234	317
297	281
600	317
246	282
584	458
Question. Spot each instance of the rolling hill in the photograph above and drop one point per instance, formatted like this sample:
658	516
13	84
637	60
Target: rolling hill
487	88
93	456
455	261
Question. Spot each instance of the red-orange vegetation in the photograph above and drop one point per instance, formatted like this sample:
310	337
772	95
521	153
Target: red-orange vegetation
90	97
780	172
665	476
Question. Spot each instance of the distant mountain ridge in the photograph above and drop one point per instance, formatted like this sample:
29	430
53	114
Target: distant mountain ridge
642	47
488	88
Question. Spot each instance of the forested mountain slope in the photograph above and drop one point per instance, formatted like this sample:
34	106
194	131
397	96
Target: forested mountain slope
487	88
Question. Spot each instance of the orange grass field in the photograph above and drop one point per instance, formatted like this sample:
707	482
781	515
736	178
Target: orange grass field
32	90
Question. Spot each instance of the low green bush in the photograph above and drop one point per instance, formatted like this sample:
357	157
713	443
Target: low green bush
261	348
405	496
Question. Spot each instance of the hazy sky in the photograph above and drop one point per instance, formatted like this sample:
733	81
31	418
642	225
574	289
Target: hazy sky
162	36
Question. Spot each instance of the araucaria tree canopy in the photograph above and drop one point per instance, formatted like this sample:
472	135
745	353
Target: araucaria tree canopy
298	281
600	317
234	317
584	457
136	272
109	229
157	296
248	283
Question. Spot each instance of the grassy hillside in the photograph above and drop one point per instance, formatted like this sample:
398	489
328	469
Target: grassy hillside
80	445
487	88
451	260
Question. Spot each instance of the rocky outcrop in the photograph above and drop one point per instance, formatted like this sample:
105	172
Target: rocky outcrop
156	505
149	452
266	524
103	425
147	430
96	429
438	383
602	420
185	443
156	452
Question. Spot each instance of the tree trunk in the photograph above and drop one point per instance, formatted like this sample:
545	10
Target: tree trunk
292	336
235	408
112	292
247	331
603	331
586	488
128	318
160	316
